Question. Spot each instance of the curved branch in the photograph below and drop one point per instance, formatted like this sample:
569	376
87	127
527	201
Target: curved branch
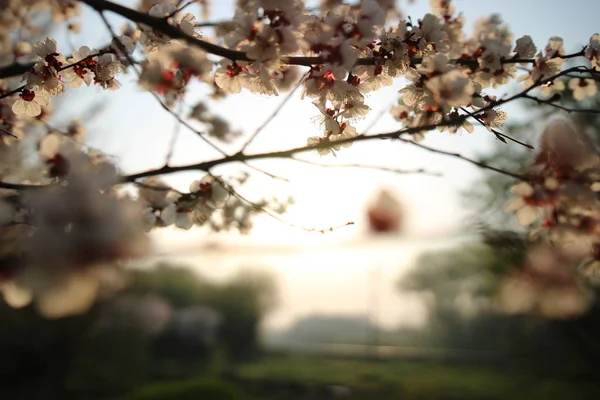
18	89
550	102
241	157
19	186
469	160
163	26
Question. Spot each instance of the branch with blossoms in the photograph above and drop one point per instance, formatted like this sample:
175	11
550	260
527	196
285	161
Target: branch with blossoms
409	131
77	211
160	24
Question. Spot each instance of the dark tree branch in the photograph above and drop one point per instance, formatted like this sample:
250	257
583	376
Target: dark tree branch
174	114
550	102
241	157
163	26
499	135
17	90
469	160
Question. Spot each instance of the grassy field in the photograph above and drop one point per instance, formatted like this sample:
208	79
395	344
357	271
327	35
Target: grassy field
296	376
312	377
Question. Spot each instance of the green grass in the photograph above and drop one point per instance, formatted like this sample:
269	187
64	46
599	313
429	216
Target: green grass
209	389
416	380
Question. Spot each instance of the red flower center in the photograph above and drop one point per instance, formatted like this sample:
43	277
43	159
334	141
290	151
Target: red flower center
27	95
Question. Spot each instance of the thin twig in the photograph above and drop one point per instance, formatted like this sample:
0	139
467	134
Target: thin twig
278	218
363	166
469	160
157	188
273	115
375	120
499	135
567	109
166	108
174	136
162	104
17	90
20	186
179	8
240	157
267	173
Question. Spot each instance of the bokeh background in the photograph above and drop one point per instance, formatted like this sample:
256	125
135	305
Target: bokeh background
282	312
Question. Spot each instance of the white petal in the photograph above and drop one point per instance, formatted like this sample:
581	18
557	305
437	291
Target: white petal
148	216
195	186
518	295
42	97
50	145
523	189
468	126
26	108
75	296
169	214
514	205
184	220
15	296
219	195
527	215
562	303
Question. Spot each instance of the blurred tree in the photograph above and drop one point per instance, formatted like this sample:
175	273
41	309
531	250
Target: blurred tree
457	286
241	302
166	324
326	329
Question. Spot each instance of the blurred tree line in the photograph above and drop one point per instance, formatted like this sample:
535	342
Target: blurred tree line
168	324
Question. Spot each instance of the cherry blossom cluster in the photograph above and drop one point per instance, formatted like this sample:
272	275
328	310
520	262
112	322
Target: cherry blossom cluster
52	70
69	218
164	207
560	200
548	285
61	240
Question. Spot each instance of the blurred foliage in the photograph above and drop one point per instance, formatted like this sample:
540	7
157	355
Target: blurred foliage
120	344
324	329
460	284
241	302
459	287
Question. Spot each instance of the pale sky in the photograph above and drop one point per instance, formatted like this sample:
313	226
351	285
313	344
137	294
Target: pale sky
332	272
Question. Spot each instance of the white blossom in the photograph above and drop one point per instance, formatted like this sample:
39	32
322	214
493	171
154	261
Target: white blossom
30	102
592	51
583	88
525	47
